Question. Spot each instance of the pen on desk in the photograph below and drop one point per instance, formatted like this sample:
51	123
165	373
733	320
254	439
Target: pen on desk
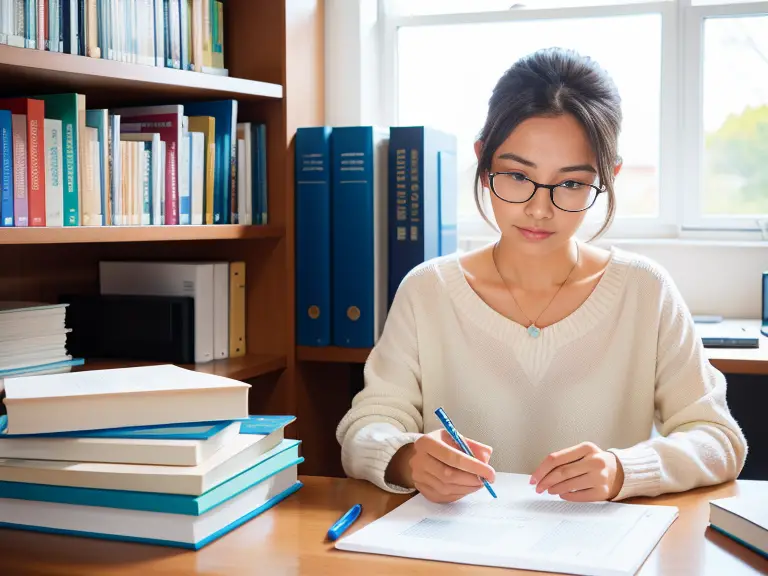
443	417
340	526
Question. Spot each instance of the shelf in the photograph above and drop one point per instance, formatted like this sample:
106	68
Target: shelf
242	368
83	234
332	354
48	72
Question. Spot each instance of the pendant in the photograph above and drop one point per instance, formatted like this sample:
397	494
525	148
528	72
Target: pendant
534	331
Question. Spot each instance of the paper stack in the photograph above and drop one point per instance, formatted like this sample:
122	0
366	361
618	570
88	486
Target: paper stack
33	339
155	454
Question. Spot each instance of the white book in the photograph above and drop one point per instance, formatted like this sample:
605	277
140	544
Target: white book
54	184
120	398
178	529
237	456
244	133
519	529
168	279
743	518
156	451
198	177
221	310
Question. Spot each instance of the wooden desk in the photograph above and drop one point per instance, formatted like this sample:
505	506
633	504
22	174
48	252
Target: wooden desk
741	360
289	540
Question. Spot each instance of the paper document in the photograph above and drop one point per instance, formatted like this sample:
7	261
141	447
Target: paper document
520	529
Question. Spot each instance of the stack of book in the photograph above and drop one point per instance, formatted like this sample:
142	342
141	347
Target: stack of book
33	339
155	454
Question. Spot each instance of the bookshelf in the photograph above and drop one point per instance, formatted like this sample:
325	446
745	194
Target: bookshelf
273	50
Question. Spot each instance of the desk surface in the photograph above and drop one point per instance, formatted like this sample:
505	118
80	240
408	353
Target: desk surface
289	540
741	360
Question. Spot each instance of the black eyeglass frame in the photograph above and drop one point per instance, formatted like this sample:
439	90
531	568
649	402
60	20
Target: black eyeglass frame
536	186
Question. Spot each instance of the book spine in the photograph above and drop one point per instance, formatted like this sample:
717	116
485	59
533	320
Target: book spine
20	203
36	161
313	236
54	189
6	169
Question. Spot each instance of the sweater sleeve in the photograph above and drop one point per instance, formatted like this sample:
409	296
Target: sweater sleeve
699	442
387	413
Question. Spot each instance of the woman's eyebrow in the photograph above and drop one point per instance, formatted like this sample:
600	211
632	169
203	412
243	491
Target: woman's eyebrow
523	161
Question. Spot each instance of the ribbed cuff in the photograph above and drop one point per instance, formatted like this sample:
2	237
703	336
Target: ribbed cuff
642	471
370	451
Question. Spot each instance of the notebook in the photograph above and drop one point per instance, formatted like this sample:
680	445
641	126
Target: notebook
519	529
728	334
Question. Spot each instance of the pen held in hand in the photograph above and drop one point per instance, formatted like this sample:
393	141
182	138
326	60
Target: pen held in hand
451	429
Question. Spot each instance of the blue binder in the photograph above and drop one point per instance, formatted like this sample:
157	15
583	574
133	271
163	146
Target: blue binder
313	236
359	245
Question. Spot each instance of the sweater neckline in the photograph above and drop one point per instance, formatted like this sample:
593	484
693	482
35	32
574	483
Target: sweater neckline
579	322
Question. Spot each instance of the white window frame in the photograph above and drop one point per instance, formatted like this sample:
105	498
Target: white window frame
693	125
680	129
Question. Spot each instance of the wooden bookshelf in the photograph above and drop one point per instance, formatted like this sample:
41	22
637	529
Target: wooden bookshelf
242	368
274	52
83	234
332	354
37	71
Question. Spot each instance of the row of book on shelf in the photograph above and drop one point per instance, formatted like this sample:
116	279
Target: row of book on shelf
177	312
371	203
155	454
181	34
62	164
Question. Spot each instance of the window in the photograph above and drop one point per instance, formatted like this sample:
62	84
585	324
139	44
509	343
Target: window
693	81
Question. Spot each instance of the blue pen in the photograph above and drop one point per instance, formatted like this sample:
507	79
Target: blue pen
344	522
440	413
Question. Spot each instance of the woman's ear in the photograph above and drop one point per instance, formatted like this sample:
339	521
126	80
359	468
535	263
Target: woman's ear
617	166
478	153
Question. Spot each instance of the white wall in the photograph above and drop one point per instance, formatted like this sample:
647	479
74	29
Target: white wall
720	277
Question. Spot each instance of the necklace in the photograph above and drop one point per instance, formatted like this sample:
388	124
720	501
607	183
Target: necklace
533	330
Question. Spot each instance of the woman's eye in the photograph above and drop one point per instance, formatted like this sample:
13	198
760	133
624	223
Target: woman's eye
572	184
517	176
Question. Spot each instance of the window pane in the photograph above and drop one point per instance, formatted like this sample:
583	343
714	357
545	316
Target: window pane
446	75
433	7
735	172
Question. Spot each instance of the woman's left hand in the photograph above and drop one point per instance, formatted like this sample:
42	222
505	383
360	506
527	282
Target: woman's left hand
582	473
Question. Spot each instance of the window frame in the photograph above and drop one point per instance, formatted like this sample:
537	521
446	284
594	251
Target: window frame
680	122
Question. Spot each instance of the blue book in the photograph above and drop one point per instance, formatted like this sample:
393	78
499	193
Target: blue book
422	199
259	203
359	234
225	182
176	530
182	431
6	169
283	456
313	236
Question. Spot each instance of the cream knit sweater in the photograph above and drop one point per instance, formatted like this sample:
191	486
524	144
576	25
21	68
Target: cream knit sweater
625	371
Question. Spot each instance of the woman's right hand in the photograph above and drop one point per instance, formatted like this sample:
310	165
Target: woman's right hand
441	471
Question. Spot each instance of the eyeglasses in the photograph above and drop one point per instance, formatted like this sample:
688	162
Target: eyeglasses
570	196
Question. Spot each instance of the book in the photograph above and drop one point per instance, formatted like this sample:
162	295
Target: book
118	397
519	529
234	458
284	455
743	519
158	451
178	530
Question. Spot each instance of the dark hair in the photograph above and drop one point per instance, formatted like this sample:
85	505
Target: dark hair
551	82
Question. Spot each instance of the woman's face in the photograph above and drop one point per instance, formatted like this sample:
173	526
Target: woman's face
547	150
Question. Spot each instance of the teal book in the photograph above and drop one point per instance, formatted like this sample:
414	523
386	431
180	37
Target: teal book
64	107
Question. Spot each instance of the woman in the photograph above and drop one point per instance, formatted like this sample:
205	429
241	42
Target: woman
577	365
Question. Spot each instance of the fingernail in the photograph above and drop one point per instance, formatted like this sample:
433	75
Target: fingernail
532	480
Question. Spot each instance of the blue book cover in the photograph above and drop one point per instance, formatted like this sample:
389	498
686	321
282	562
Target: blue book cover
359	234
283	456
422	199
225	184
6	169
260	204
313	236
